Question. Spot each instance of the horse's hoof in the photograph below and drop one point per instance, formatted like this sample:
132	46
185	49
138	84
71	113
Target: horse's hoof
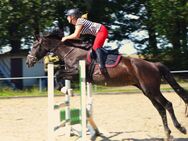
169	138
97	133
167	132
183	130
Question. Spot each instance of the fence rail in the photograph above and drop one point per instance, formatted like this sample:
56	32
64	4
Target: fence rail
181	71
16	78
42	77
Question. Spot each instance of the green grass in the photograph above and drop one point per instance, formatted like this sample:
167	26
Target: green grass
7	92
129	89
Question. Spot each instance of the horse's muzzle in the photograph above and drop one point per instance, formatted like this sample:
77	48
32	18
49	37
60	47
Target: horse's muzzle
31	60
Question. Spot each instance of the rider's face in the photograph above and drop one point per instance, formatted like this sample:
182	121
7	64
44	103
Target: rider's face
71	19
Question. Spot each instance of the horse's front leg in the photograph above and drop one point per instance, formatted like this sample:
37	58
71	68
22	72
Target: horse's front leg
63	74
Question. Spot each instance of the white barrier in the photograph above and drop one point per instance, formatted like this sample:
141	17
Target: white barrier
52	106
82	65
51	102
85	107
86	104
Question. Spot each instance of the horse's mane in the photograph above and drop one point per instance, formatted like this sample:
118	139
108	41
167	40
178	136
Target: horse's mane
58	34
55	34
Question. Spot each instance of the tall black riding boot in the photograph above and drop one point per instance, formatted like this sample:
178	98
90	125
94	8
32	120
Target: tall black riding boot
101	57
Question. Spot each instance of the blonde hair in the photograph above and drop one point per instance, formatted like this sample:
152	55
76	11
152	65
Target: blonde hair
84	16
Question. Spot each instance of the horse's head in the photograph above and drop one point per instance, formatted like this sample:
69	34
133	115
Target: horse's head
40	48
68	50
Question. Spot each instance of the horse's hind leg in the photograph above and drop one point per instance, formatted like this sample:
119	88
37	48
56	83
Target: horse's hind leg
162	112
158	106
168	106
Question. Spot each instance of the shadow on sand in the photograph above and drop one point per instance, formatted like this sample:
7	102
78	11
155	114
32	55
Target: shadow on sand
114	134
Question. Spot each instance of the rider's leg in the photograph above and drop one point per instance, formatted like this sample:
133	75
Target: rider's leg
100	55
98	43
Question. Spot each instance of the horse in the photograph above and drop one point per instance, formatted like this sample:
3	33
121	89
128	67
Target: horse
140	73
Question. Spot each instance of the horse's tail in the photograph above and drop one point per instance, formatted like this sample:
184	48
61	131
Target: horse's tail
173	83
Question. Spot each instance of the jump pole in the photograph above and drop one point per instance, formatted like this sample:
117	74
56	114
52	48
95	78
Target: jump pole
82	65
51	136
89	98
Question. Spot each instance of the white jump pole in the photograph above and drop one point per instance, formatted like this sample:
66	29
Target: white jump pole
82	65
68	84
67	108
51	136
89	98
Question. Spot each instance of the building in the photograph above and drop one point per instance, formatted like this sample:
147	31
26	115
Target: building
13	65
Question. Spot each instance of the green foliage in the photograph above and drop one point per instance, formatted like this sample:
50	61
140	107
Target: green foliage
164	21
168	21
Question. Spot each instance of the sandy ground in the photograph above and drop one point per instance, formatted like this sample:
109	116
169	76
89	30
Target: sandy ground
122	117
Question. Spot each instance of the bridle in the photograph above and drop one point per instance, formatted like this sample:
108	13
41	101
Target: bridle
34	58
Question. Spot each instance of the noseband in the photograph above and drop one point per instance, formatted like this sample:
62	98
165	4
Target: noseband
33	58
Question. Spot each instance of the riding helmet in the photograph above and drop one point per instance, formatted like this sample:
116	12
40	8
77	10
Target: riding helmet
73	12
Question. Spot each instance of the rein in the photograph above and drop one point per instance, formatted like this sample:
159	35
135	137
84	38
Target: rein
67	53
54	49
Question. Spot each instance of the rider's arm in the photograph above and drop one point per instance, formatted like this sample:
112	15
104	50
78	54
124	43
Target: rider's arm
75	35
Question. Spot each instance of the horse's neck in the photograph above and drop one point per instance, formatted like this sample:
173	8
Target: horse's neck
71	55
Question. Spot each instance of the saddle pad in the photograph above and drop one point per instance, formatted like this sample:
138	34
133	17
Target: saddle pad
112	60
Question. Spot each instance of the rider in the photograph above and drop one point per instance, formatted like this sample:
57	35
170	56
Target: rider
83	26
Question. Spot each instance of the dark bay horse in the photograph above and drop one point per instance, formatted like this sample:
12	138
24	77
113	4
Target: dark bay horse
130	71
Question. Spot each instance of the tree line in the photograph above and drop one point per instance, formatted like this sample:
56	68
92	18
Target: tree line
157	27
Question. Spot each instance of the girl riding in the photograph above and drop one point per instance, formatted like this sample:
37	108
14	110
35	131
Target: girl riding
83	26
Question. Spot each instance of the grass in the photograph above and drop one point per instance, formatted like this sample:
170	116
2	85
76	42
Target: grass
7	92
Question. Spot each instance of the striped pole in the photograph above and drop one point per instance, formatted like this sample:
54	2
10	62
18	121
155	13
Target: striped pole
82	65
51	102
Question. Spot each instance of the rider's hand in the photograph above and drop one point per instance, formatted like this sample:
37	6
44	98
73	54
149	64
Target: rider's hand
63	39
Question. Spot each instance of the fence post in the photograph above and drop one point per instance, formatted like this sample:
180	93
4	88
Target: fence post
82	64
40	84
51	118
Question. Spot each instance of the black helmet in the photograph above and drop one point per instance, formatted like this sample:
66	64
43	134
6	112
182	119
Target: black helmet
73	12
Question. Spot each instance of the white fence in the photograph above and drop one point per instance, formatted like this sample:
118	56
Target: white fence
45	77
40	78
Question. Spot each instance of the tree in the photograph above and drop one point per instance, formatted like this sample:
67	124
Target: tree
20	19
171	21
165	22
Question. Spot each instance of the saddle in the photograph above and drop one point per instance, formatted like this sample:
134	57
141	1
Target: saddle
112	58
